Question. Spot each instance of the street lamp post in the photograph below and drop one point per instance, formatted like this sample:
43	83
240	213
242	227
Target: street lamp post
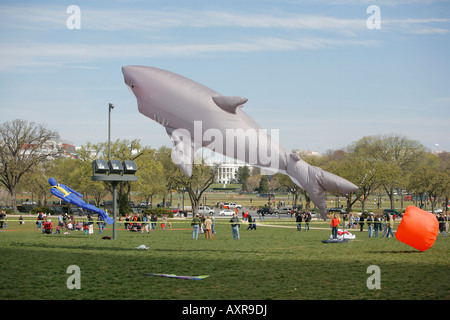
110	107
113	171
114	179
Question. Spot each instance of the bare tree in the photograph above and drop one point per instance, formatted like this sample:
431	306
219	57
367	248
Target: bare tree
202	177
23	145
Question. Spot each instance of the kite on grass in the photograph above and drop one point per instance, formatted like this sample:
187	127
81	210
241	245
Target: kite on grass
178	277
71	196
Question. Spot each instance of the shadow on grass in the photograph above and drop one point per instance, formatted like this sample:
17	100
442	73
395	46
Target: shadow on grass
206	249
114	248
394	251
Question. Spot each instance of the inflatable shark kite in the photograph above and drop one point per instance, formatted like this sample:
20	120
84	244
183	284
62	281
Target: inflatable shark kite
196	116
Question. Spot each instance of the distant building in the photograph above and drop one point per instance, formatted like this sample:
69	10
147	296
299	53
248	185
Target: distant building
226	171
69	149
54	149
304	153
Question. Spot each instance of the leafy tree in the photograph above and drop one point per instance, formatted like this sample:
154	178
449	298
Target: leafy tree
36	182
263	184
432	178
242	175
151	176
253	182
398	154
164	156
287	184
124	204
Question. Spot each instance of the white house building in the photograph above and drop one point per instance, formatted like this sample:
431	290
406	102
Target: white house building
226	171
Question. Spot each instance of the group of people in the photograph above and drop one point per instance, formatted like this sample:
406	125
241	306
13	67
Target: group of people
379	223
68	223
206	225
443	223
375	224
147	223
203	224
300	217
247	217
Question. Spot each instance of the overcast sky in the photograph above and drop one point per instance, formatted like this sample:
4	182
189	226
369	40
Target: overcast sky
311	68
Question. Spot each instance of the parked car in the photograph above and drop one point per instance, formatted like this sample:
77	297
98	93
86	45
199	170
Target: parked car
267	210
145	204
205	210
161	204
231	205
235	205
286	210
226	212
107	203
392	212
336	210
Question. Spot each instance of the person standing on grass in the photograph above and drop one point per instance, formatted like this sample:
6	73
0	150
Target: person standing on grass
361	223
251	223
2	218
307	220
299	221
334	226
153	221
196	222
377	225
235	226
442	225
351	220
390	226
101	224
213	225
208	225
370	225
164	222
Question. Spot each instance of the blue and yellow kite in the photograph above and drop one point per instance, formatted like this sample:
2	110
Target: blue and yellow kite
71	196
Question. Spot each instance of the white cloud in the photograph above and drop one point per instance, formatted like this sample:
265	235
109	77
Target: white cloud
418	26
53	18
15	55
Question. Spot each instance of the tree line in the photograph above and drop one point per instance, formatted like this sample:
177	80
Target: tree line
382	164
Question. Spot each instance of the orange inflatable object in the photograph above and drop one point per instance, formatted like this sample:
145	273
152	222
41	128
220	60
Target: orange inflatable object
418	228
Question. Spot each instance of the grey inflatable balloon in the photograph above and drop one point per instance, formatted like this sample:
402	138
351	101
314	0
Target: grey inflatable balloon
196	116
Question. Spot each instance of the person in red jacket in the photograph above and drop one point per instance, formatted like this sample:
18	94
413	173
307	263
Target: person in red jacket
48	227
334	226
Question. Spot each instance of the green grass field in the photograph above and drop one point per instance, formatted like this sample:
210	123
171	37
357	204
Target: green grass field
276	263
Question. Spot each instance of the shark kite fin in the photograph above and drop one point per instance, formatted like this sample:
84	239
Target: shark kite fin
229	103
294	156
183	149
